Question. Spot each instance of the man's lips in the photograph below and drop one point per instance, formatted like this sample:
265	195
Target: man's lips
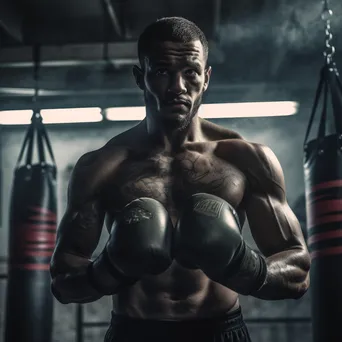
178	103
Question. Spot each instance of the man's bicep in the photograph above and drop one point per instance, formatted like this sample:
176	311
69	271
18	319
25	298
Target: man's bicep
80	229
273	224
78	235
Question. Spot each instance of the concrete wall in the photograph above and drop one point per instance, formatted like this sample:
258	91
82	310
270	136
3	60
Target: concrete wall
283	134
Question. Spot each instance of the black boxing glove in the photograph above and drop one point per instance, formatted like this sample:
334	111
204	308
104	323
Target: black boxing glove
140	243
208	237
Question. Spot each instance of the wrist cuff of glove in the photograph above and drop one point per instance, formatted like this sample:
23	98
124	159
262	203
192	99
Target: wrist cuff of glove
255	267
260	275
249	270
114	272
104	264
93	281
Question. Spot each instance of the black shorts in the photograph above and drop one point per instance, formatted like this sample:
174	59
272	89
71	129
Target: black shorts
229	327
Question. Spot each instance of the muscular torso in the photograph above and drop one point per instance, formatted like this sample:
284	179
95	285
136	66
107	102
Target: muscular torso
178	293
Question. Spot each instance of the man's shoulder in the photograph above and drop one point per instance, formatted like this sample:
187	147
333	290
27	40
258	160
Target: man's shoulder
250	151
216	132
258	162
252	156
230	139
105	155
99	163
110	155
92	172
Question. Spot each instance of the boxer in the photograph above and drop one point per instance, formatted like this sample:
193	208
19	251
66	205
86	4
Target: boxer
173	192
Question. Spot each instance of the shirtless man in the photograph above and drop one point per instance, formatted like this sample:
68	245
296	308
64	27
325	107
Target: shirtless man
174	192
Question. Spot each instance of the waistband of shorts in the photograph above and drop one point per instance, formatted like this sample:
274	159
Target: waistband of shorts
228	320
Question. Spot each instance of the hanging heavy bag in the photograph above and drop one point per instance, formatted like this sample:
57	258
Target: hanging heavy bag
323	186
29	306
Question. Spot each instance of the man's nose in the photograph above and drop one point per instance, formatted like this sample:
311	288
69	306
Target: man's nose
177	85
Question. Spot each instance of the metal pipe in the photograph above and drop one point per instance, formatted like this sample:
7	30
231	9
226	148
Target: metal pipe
79	323
113	17
217	17
118	62
27	92
11	20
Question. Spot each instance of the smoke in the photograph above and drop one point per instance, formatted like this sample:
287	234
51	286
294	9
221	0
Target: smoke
279	32
293	25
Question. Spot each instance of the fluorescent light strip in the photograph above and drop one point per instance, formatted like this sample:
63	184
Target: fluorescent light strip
15	117
52	116
248	109
93	114
215	110
71	115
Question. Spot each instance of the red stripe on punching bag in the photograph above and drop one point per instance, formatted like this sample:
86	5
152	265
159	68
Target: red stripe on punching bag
43	218
334	234
316	221
44	226
38	253
40	245
328	206
316	198
323	208
35	237
43	212
33	267
326	185
326	252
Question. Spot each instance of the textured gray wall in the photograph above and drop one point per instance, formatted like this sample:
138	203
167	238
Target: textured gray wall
283	134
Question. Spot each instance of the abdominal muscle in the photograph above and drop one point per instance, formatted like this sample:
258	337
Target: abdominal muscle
176	294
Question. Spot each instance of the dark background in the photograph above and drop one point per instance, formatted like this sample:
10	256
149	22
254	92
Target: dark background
260	50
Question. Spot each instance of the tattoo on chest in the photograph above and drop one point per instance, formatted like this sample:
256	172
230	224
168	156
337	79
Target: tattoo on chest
149	178
171	180
202	172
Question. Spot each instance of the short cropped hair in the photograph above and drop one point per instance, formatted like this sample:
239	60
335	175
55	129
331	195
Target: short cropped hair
175	29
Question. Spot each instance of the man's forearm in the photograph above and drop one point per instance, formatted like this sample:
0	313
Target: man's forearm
84	284
74	287
287	277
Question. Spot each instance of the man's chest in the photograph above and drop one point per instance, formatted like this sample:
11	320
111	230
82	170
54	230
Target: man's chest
171	180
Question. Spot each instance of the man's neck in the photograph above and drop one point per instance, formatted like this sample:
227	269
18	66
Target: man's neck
173	139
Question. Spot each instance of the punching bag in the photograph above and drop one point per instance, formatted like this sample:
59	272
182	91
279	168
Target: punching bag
29	306
323	188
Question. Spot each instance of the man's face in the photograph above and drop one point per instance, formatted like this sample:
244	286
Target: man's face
174	77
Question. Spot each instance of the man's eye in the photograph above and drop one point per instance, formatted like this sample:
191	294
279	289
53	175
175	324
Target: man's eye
160	72
191	72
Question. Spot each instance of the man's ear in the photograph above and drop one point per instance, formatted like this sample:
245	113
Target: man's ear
207	78
139	76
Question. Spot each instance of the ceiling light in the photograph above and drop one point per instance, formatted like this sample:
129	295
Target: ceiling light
15	117
94	114
71	115
215	110
52	116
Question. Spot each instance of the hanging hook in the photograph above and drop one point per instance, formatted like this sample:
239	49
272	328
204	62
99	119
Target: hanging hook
327	13
36	69
326	16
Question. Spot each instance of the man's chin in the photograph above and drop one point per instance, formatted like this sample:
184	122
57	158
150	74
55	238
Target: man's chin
177	121
174	115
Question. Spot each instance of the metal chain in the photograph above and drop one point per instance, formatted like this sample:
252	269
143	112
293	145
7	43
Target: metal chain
326	16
